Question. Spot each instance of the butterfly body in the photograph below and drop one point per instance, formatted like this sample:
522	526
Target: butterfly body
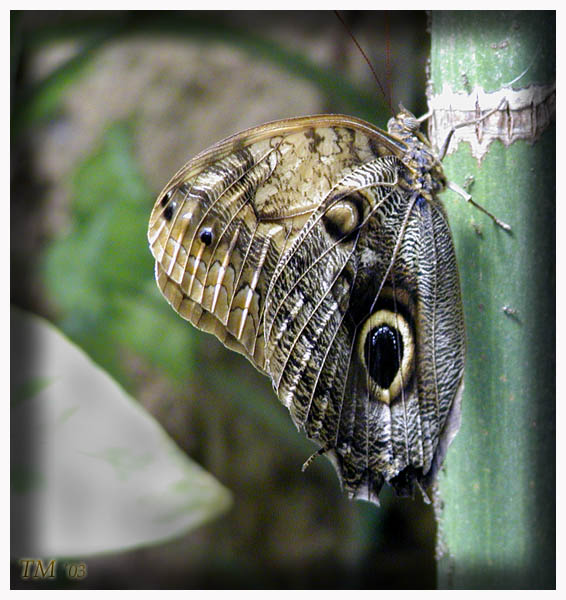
317	247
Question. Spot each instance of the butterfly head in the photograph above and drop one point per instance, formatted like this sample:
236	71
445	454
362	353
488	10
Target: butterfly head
424	172
404	124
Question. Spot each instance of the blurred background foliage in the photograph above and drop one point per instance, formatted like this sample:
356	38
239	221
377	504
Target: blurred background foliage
106	106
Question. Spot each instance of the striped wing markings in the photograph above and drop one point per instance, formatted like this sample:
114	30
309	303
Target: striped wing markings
313	221
293	383
237	196
317	216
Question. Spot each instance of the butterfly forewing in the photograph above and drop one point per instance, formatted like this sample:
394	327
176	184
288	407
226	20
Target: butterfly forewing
308	246
252	193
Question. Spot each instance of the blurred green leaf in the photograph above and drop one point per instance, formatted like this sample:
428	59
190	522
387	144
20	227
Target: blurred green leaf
108	477
100	274
151	327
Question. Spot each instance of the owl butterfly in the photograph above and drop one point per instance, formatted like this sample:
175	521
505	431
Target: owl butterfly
317	247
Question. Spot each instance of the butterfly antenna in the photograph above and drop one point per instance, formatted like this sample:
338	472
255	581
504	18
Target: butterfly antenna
386	97
388	59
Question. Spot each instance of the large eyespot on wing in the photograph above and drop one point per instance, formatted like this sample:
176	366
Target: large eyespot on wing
310	287
385	398
320	295
417	317
221	225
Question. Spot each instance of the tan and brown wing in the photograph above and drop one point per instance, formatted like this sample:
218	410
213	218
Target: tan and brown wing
295	244
252	194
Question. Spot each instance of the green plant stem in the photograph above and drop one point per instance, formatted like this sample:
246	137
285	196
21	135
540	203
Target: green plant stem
498	488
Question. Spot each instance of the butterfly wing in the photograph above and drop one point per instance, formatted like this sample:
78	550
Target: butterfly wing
295	245
408	348
253	193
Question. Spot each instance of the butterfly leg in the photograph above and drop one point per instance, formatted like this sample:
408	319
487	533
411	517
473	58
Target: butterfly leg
456	188
323	450
468	198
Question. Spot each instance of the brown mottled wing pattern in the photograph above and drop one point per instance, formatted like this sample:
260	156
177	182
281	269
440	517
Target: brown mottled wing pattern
300	245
